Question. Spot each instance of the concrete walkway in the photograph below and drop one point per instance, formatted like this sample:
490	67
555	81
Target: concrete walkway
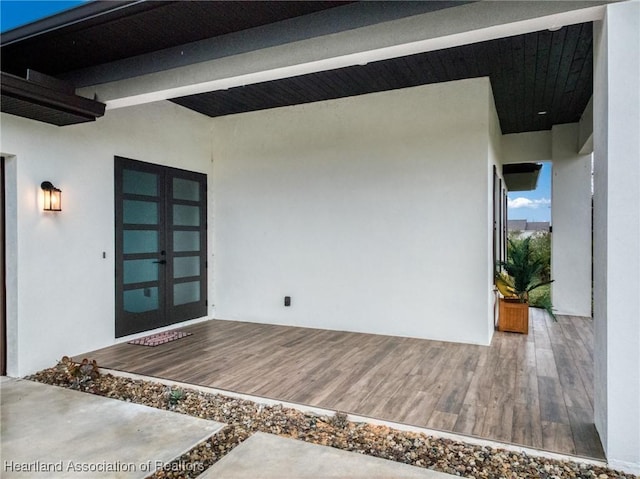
265	456
47	431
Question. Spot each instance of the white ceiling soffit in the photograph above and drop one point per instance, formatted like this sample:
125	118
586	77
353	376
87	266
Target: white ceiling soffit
466	24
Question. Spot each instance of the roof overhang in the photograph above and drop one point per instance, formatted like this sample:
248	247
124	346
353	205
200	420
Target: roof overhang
39	101
538	55
521	176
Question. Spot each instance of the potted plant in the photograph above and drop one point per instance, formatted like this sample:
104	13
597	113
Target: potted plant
516	278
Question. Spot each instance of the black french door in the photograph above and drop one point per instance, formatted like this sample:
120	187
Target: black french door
161	245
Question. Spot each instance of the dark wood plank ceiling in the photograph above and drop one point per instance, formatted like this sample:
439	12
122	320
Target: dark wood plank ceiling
143	28
537	72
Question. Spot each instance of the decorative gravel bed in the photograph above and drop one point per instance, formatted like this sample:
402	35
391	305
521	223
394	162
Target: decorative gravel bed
245	417
201	457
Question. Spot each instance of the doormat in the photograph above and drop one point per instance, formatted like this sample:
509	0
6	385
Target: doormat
160	338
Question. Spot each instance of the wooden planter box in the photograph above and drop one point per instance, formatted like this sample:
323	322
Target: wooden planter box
513	316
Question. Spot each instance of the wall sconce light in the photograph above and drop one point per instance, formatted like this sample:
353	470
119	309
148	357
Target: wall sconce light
52	197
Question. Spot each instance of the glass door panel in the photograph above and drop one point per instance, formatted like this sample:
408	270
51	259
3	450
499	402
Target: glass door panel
186	189
141	300
139	183
186	266
140	212
185	215
184	293
140	271
140	241
186	241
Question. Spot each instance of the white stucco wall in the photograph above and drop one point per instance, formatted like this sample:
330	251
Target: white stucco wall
371	212
528	147
616	113
571	219
61	293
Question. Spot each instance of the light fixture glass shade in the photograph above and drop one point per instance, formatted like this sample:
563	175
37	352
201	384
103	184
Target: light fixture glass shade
52	197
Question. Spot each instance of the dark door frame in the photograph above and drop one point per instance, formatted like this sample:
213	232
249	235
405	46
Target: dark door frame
167	313
497	219
3	258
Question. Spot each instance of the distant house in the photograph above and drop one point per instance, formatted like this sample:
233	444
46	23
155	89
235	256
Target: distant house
528	228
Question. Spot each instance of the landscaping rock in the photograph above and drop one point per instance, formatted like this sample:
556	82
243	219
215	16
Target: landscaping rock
245	417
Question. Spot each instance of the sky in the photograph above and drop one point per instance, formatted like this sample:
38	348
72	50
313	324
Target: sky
522	205
14	13
532	205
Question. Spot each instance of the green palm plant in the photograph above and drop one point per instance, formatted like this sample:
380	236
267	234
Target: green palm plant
523	267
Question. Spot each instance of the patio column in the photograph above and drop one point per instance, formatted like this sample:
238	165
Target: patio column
617	233
571	219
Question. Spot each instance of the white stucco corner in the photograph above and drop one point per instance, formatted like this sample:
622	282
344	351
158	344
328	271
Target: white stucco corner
616	113
571	256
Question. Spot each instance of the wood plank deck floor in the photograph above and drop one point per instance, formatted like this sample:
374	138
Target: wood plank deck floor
534	390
